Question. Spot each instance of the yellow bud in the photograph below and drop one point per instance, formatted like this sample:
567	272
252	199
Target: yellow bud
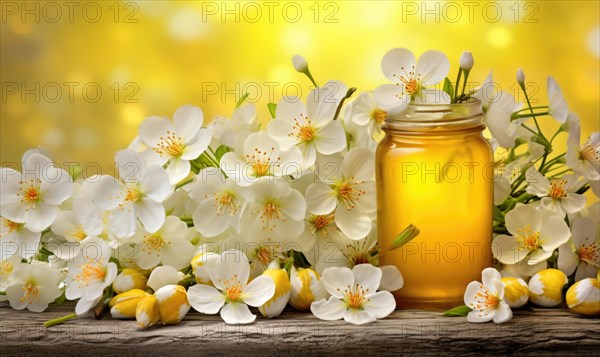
516	292
584	297
129	279
147	312
199	268
545	287
283	290
172	303
124	305
306	287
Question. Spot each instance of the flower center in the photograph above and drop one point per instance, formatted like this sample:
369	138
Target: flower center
265	254
153	243
170	145
30	193
303	129
359	253
91	272
30	293
233	289
10	226
269	215
75	232
590	152
5	269
261	161
484	299
530	239
590	254
378	115
410	80
226	200
355	297
133	194
319	224
348	193
557	189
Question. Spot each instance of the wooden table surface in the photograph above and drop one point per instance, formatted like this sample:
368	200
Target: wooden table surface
532	331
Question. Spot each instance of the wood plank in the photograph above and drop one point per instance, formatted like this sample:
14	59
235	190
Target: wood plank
533	331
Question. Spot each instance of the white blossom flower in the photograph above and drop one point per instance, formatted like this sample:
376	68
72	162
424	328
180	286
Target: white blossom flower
89	273
583	253
33	286
17	238
169	245
226	131
261	156
535	235
409	77
74	226
584	160
354	296
274	210
32	196
309	127
8	262
558	194
350	194
138	194
498	119
220	203
232	293
176	142
486	299
557	106
365	112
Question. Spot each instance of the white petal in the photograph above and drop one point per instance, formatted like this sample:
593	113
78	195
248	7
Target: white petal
521	216
177	170
331	138
178	252
480	316
162	276
537	184
205	298
259	291
568	260
358	317
151	214
433	67
367	276
557	106
187	121
122	221
153	128
197	145
390	98
391	278
354	222
321	105
470	296
503	313
507	250
320	199
281	129
237	313
381	304
554	233
294	206
231	263
58	188
329	310
489	275
336	280
155	184
395	62
358	164
105	193
210	223
41	217
131	165
584	231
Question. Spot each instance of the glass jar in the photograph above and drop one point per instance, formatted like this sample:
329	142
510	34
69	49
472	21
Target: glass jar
435	170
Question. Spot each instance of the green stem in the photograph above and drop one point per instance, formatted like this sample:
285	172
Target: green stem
462	94
536	107
59	320
532	115
460	70
183	183
339	108
241	101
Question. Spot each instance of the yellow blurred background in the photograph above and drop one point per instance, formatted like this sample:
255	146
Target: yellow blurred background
79	77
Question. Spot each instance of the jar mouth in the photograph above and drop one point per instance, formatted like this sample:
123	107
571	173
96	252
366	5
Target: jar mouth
440	117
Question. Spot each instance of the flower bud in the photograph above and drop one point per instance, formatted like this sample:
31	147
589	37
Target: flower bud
545	287
466	61
147	312
163	275
172	303
300	63
520	76
306	287
584	297
516	292
200	263
124	305
129	279
283	290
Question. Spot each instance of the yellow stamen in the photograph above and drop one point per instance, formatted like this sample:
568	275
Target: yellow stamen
30	293
355	296
410	80
485	300
262	161
226	200
529	239
30	192
269	215
91	272
153	243
303	129
319	224
557	188
233	288
589	254
348	193
170	145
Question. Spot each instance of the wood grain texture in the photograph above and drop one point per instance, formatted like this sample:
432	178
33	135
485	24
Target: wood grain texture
406	332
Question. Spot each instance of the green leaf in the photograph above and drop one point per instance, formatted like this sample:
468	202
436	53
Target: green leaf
498	215
221	150
461	310
272	108
449	88
241	101
409	233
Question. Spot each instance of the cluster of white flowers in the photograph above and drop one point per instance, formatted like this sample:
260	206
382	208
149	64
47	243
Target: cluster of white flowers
251	210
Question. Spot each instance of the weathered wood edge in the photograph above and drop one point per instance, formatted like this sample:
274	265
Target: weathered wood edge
532	331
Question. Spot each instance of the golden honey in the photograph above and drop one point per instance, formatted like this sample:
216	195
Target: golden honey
435	170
